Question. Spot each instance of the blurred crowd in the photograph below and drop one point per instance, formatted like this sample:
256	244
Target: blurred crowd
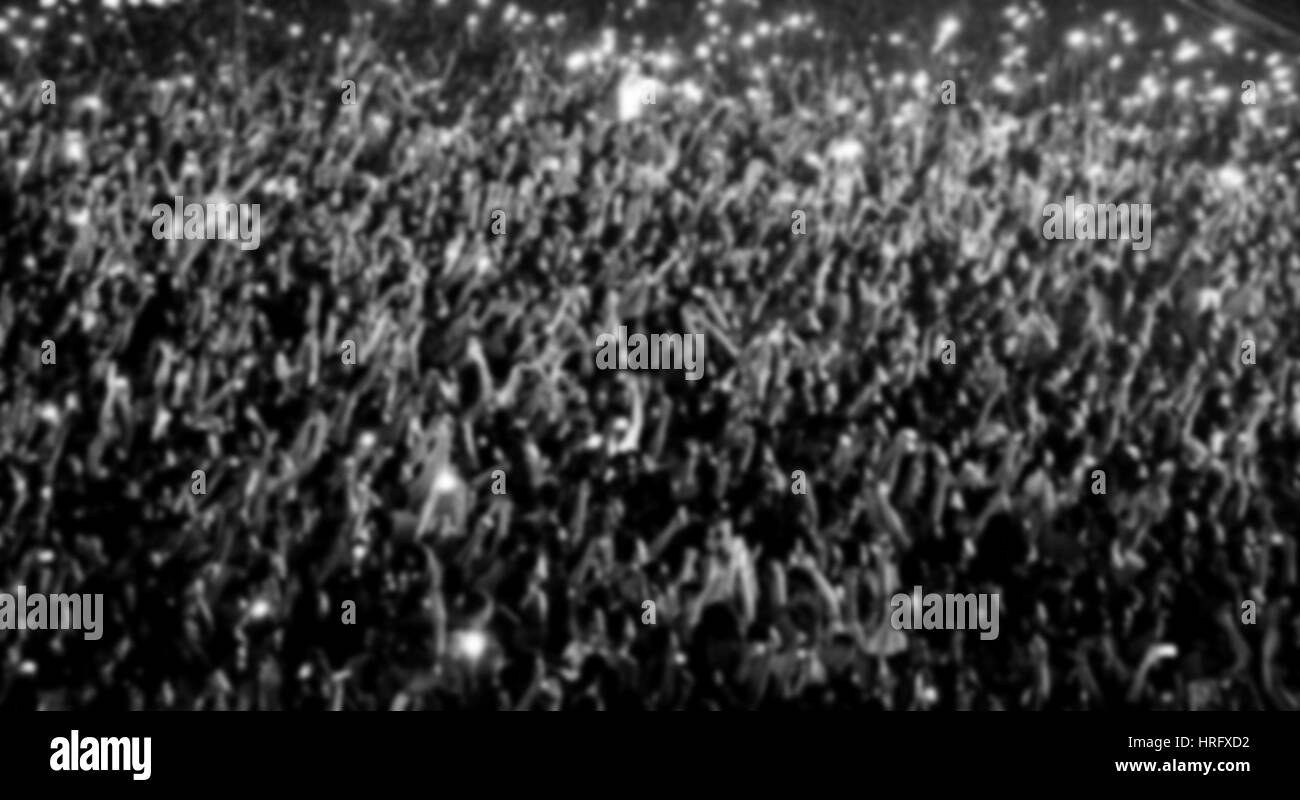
473	516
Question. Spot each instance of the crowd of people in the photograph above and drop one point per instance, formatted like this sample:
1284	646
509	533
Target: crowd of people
470	514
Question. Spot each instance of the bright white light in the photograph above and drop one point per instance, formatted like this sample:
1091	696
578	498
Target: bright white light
74	149
472	644
576	61
446	482
846	150
260	609
90	103
49	412
948	28
665	60
1207	299
1230	176
381	123
921	82
635	94
690	91
1187	51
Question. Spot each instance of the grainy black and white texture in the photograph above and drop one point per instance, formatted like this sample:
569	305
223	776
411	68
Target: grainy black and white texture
374	463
